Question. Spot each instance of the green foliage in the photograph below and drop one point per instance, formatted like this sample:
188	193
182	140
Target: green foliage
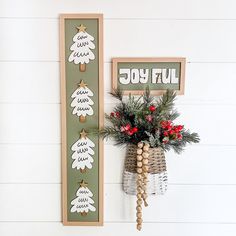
147	119
147	98
178	145
118	94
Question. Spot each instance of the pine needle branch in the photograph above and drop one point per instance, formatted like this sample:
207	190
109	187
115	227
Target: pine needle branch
190	137
147	98
172	115
166	102
117	93
107	132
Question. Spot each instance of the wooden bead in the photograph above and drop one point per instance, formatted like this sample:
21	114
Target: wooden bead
145	161
139	209
145	168
145	148
139	158
139	151
139	220
145	174
139	227
139	201
139	214
139	189
147	145
139	195
140	144
139	182
145	155
139	170
139	176
139	164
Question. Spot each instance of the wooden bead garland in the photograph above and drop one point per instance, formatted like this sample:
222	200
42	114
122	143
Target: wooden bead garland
142	174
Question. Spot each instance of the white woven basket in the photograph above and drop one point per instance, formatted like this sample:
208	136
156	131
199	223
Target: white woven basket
157	183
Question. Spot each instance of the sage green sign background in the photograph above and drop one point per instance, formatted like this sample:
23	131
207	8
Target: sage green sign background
150	66
74	127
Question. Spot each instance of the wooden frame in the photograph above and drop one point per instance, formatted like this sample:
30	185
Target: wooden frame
116	61
64	147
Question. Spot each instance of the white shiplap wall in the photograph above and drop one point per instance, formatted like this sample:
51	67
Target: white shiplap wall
202	190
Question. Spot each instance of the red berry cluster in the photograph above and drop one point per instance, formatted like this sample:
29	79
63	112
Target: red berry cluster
128	129
115	114
170	131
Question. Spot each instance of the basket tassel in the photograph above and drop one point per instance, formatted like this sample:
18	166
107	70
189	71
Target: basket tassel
142	179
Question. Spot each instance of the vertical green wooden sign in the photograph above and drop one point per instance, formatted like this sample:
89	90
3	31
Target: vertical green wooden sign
81	48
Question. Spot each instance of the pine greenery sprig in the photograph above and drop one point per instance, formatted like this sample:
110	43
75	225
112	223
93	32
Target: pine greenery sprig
173	115
117	93
149	120
165	104
147	98
178	145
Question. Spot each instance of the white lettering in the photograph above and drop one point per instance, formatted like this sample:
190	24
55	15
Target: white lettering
134	76
158	76
124	76
174	79
144	76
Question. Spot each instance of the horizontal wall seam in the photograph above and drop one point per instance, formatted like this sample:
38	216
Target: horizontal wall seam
121	18
109	62
191	102
128	222
109	183
112	144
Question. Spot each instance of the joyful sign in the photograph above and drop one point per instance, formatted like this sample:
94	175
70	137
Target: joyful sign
160	76
132	75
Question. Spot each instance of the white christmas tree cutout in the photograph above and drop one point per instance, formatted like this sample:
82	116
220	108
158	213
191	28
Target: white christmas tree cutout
81	48
83	153
82	102
83	203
